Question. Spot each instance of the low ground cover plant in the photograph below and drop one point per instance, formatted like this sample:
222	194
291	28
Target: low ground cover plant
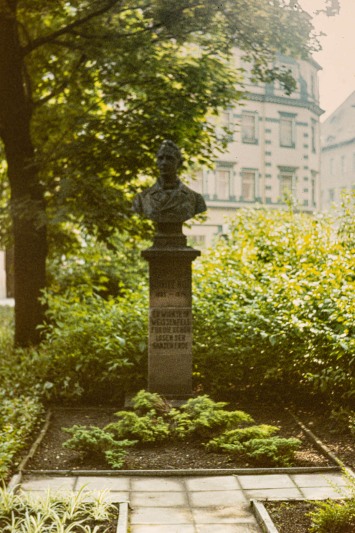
18	418
336	516
154	421
84	511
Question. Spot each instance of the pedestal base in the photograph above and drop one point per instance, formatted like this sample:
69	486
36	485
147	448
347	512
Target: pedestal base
170	321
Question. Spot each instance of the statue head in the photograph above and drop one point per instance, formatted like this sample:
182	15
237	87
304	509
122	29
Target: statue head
169	159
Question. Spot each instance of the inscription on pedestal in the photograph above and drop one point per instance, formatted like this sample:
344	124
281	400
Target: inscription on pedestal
170	287
170	329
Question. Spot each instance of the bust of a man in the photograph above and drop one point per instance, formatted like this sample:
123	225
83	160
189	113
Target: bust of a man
169	200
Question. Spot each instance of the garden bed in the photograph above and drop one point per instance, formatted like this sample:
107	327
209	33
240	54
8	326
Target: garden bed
290	517
169	456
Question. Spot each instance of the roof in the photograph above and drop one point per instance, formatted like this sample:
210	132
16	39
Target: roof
339	127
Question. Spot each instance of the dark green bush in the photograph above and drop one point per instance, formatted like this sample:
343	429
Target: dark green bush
95	348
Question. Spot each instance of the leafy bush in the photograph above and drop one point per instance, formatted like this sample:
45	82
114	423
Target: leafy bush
98	442
145	428
336	516
95	347
202	417
144	402
233	439
199	418
18	418
274	305
274	450
93	267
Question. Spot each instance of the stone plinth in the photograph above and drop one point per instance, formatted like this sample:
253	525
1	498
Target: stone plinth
170	319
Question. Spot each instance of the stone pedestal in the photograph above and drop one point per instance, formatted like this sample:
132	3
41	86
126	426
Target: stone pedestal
170	315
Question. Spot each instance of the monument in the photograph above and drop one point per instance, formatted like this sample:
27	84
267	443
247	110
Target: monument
169	203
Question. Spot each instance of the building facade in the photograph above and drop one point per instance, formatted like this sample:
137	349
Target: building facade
273	151
338	153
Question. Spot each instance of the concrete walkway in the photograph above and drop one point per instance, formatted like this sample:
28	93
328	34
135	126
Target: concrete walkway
218	504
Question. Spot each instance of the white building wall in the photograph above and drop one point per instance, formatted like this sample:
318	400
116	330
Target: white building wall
265	156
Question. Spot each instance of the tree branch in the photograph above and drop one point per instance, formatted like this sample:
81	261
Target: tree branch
63	85
66	29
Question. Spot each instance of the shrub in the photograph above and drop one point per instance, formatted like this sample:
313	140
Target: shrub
274	307
200	418
145	428
233	440
95	348
274	450
18	418
98	442
336	516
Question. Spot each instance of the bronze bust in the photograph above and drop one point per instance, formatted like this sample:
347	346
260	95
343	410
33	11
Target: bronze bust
169	200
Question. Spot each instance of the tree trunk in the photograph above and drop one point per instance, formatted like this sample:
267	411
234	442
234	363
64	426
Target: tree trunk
27	199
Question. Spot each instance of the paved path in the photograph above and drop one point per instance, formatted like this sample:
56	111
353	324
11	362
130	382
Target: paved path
218	504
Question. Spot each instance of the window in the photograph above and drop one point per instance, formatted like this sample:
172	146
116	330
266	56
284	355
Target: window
249	128
314	136
287	132
331	167
313	188
331	195
248	185
287	183
313	84
223	184
225	126
197	183
342	165
197	240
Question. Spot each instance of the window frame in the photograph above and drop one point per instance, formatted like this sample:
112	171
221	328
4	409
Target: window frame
254	138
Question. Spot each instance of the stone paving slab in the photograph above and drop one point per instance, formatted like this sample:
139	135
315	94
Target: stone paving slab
215	504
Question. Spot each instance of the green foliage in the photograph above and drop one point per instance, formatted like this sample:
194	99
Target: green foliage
274	450
198	418
282	291
96	441
145	402
89	266
118	78
201	417
95	347
336	516
18	418
62	512
233	440
145	428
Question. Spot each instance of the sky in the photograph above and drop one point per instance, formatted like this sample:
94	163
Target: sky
337	58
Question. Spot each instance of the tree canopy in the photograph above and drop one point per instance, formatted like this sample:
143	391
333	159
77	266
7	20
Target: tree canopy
88	89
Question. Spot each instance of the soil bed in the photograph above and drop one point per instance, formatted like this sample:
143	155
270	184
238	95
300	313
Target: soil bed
181	455
290	517
340	443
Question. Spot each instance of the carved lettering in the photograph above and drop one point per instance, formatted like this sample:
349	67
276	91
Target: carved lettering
171	329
